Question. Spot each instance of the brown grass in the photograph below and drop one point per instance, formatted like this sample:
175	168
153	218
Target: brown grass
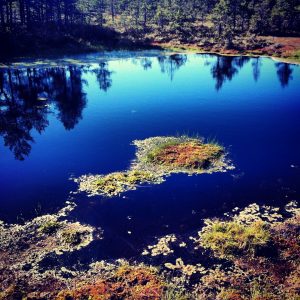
187	155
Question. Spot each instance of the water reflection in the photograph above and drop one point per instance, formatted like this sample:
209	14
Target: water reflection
284	73
256	65
66	91
146	63
27	96
103	76
171	63
226	67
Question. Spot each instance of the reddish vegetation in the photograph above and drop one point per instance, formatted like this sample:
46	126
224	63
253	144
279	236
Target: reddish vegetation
281	47
288	44
188	155
127	283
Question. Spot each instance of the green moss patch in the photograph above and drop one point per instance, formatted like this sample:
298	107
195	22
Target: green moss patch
228	239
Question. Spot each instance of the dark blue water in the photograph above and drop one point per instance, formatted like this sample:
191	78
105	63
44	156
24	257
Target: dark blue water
66	120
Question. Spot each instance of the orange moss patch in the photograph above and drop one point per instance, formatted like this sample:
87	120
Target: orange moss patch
98	291
127	283
189	155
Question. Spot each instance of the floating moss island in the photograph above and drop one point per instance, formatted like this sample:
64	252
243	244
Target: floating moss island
166	155
157	158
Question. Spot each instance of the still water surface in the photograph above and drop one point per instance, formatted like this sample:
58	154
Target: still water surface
62	120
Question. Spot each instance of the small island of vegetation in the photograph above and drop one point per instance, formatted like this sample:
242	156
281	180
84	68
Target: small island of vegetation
157	158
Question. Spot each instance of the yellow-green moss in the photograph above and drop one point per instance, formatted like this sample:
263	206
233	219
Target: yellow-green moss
115	183
123	179
231	294
228	239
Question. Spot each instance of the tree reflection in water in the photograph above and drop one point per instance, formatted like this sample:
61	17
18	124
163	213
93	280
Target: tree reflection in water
256	65
171	63
284	73
226	67
21	112
26	95
103	76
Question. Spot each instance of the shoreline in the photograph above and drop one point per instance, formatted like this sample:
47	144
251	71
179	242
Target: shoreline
34	59
68	59
187	49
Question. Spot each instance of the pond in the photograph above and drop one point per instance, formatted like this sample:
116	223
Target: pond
77	116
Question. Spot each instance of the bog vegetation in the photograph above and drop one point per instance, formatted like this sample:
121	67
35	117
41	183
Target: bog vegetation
157	158
250	254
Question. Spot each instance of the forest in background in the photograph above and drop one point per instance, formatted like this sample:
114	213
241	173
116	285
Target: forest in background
37	25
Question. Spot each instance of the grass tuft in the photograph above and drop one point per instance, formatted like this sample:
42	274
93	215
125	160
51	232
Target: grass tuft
230	239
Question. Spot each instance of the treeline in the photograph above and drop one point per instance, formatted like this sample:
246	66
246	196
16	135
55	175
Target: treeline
30	12
258	16
154	19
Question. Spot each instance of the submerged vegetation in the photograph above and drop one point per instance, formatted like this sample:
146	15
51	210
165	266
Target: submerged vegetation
157	158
